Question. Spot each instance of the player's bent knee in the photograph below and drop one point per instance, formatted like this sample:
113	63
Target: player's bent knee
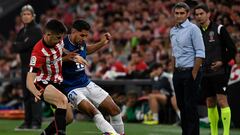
62	102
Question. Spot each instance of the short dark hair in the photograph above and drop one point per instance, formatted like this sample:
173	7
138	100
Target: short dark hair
201	6
81	25
55	26
156	66
182	5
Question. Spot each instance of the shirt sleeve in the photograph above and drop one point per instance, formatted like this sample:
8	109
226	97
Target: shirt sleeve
197	41
29	41
228	43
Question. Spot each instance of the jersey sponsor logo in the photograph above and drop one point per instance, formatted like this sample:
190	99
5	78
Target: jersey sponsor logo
33	61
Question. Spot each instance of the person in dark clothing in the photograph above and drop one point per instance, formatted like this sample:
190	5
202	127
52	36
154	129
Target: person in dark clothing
27	37
162	93
188	54
220	50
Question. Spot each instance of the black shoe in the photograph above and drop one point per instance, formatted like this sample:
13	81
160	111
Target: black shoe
22	127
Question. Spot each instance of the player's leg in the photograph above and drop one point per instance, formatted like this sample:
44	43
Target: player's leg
220	86
69	114
100	98
211	101
77	97
213	114
57	98
98	118
51	128
114	111
175	107
225	113
154	100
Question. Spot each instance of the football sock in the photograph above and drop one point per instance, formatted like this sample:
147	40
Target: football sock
155	116
117	123
213	118
102	124
60	121
50	129
178	114
226	120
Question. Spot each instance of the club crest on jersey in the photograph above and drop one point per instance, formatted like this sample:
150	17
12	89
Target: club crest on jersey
33	61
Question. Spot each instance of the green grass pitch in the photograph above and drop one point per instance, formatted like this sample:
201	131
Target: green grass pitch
89	128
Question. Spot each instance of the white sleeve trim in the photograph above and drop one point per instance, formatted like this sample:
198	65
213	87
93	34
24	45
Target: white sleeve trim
219	28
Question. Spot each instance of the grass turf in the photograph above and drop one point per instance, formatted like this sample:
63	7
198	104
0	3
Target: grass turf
89	128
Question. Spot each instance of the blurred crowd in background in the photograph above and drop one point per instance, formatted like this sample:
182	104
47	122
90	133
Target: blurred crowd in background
140	37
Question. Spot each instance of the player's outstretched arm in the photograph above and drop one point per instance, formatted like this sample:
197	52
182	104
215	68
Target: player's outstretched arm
81	60
104	40
31	86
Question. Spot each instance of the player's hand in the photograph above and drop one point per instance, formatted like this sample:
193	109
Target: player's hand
70	56
81	60
106	38
194	74
216	65
38	94
153	74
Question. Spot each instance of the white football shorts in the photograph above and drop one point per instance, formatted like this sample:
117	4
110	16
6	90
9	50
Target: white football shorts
92	92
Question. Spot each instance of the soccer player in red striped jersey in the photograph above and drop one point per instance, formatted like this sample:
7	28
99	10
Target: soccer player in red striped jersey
45	72
84	94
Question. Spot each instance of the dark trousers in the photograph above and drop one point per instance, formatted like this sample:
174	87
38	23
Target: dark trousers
233	99
186	89
33	110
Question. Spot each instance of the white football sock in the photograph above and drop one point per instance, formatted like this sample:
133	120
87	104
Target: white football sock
179	114
117	123
102	124
155	116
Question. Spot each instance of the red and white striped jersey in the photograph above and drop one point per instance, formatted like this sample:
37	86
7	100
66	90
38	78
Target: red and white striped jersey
48	61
